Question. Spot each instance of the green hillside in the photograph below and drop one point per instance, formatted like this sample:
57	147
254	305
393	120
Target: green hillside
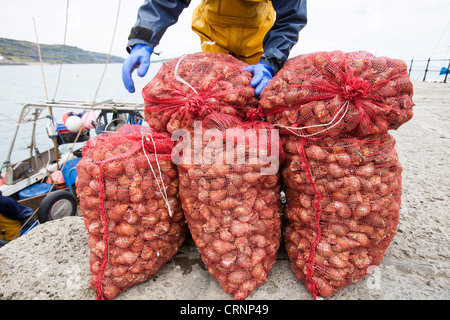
20	52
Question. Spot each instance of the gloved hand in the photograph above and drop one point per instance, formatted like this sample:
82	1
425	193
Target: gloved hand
139	58
262	75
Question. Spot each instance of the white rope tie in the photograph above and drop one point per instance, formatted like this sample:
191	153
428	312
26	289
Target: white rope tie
291	129
163	190
177	77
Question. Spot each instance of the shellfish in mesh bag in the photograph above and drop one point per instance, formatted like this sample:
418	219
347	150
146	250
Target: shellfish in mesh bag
336	93
231	199
188	88
128	190
343	200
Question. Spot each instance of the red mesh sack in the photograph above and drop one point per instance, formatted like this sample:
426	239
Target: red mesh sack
232	205
342	205
336	93
188	88
128	190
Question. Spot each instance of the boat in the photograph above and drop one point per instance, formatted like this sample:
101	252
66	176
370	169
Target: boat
32	181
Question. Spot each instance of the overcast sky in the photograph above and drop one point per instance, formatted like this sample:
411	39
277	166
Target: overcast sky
402	29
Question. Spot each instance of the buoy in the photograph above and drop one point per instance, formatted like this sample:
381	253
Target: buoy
66	115
89	119
74	123
2	179
56	176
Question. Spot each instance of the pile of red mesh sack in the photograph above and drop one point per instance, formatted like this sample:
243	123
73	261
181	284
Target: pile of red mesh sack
342	175
128	190
328	116
230	194
189	88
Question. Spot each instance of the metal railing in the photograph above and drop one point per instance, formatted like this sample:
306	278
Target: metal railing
430	66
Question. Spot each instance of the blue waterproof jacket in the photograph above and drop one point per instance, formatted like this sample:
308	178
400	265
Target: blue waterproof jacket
12	209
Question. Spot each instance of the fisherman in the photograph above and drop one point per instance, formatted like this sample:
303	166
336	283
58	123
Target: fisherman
260	33
12	216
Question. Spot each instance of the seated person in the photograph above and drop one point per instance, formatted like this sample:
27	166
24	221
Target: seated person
13	215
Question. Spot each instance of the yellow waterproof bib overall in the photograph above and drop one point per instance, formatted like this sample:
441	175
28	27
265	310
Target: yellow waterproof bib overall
236	27
10	226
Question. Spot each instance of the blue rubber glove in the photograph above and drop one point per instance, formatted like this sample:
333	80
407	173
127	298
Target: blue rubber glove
139	58
262	75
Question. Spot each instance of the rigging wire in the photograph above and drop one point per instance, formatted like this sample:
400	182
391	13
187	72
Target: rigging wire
40	59
109	55
63	49
50	111
93	102
439	41
101	79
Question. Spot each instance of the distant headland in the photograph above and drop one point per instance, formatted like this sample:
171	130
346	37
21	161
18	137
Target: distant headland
16	52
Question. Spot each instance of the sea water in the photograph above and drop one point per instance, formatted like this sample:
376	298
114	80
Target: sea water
20	85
